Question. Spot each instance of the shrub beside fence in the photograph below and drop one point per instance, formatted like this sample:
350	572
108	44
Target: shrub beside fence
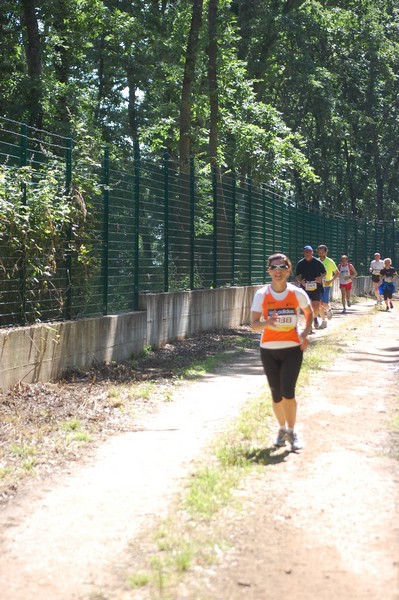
85	236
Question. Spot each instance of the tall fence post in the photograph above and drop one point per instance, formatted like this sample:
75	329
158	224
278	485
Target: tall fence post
105	229
215	226
385	238
264	232
249	189
22	270
355	244
274	223
233	227
166	221
68	183
192	223
136	229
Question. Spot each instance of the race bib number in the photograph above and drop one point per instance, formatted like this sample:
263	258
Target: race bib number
310	286
287	319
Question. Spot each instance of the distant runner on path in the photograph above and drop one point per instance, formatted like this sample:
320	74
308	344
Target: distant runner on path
375	268
388	276
346	273
331	275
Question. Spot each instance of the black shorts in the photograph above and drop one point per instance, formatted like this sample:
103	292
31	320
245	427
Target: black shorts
281	367
314	295
375	278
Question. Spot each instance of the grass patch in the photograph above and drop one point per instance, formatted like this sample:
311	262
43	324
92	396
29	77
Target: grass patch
201	368
231	349
80	436
22	450
395	435
184	541
4	471
211	490
75	432
138	580
29	465
71	425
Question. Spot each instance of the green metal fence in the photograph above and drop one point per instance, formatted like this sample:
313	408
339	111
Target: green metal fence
144	227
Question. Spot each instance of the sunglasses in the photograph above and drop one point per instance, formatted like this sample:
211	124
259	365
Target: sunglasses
281	267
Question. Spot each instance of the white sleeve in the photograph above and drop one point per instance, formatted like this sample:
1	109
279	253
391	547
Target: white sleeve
258	300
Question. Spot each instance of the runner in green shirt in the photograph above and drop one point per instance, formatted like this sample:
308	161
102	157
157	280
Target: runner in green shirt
331	274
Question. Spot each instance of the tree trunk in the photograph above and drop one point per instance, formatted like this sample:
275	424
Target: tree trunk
223	232
132	111
34	62
212	51
61	63
379	179
101	79
349	175
188	80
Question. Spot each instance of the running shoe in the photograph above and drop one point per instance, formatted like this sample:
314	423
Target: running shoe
323	324
344	310
391	305
329	314
387	308
349	302
280	438
316	324
292	438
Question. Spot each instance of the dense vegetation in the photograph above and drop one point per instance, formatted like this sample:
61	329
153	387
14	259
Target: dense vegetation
302	93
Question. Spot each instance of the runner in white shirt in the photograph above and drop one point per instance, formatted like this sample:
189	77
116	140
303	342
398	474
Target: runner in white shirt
375	267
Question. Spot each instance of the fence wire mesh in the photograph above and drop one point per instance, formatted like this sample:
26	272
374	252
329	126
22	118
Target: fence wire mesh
84	236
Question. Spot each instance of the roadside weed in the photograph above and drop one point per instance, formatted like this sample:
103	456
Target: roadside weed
74	430
71	425
138	580
4	471
22	450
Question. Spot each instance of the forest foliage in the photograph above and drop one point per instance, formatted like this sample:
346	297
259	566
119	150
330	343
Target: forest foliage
303	94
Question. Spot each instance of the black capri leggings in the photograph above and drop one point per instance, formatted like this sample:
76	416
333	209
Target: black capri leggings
282	368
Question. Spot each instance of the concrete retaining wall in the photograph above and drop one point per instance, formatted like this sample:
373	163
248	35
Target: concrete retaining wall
43	352
177	315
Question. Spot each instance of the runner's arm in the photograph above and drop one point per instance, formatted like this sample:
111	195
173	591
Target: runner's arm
308	312
259	323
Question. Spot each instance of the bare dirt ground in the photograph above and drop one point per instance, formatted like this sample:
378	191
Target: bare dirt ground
320	523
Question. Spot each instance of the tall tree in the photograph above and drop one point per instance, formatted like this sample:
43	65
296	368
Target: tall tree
212	51
34	61
187	84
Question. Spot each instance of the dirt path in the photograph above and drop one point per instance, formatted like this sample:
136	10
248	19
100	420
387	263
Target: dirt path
321	523
58	542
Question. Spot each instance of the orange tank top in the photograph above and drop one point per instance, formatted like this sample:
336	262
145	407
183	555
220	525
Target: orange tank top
285	329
